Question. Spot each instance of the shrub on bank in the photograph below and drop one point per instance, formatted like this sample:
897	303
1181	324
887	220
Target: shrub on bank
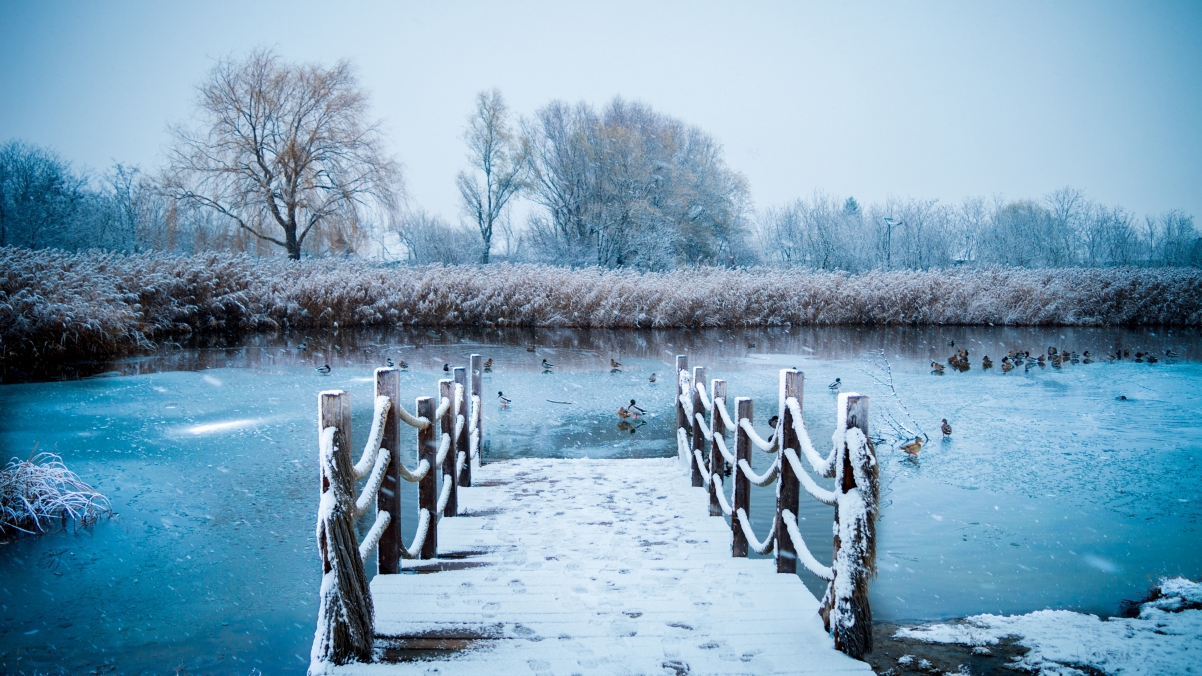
62	305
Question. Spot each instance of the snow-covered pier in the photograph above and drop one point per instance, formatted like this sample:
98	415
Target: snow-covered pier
591	566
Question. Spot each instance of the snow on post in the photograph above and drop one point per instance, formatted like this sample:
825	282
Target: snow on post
717	462
462	450
446	390
388	555
682	418
792	384
476	369
845	609
345	612
742	496
698	435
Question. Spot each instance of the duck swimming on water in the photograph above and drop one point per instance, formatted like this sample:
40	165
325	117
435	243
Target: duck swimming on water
835	385
323	370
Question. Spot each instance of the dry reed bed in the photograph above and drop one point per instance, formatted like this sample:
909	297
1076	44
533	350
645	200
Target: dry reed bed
37	492
90	305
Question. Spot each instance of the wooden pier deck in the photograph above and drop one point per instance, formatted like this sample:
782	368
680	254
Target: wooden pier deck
593	567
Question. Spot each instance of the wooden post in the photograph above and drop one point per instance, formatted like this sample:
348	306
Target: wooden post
856	416
698	437
427	488
446	390
344	622
742	500
477	373
388	554
460	444
682	364
333	410
717	462
787	488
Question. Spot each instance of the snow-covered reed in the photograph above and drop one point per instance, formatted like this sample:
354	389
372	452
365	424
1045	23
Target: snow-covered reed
93	304
38	491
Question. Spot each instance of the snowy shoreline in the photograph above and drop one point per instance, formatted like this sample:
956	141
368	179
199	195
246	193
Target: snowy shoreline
59	305
1164	636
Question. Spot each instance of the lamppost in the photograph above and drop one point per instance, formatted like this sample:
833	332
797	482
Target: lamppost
890	223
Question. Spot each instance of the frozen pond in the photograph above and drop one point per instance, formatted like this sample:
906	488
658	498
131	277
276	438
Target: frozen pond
1050	493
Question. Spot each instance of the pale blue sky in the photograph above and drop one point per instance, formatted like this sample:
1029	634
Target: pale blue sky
933	99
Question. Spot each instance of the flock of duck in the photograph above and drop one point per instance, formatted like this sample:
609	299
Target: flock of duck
1054	357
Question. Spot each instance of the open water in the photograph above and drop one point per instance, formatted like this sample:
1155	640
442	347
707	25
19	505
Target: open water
1052	491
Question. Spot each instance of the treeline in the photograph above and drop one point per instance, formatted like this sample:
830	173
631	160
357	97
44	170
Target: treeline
57	305
282	158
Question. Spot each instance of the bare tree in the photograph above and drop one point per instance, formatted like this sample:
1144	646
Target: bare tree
494	154
285	151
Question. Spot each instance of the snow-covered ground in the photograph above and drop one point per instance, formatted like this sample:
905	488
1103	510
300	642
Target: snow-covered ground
600	567
1166	637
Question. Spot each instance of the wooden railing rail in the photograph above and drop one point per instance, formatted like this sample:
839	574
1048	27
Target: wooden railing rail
851	462
345	623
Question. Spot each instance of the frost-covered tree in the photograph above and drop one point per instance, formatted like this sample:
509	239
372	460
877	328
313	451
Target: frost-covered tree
286	152
41	198
630	187
497	167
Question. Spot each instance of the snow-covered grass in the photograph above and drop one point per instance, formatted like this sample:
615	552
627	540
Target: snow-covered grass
93	304
1165	638
40	490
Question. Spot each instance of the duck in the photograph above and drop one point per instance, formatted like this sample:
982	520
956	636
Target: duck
530	349
613	364
835	385
488	364
446	368
1007	366
1139	357
1012	354
951	343
323	370
1170	354
1051	351
772	422
1121	397
548	365
504	399
913	447
652	378
937	367
947	429
388	362
1151	358
750	346
624	414
404	364
986	363
636	410
302	345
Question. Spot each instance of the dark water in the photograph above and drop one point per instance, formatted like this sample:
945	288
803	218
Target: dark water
1050	493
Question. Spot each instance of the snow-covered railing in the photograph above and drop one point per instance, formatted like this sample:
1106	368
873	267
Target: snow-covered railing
851	463
345	624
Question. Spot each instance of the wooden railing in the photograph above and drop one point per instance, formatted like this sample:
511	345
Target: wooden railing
851	462
448	443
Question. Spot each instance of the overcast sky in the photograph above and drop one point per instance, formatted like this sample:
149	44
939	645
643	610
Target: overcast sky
941	100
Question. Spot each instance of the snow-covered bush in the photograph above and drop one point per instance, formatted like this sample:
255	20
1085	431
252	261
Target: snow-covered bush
38	491
93	304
